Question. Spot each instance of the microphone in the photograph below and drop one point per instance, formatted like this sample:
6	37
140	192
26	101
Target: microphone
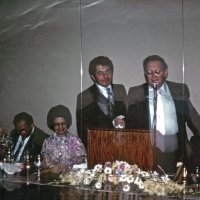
155	104
155	85
155	90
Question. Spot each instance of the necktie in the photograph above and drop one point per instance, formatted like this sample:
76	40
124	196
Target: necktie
110	95
154	98
166	122
110	102
18	150
160	121
169	113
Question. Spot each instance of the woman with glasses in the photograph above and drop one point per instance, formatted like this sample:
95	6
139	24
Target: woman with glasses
61	150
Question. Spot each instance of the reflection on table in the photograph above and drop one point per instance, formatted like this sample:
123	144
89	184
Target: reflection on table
18	187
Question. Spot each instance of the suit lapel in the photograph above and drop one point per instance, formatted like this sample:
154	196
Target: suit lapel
95	94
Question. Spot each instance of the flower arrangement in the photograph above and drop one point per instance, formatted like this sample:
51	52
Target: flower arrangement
124	177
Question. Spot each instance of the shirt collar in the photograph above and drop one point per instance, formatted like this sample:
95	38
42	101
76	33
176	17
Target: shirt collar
61	137
162	89
103	89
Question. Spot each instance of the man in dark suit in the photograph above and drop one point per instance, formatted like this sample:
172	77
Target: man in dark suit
26	138
103	105
166	107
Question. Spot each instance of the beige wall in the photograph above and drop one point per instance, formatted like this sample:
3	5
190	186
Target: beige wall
45	44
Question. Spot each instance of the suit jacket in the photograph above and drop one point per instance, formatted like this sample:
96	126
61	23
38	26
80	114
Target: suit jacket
34	144
89	114
138	112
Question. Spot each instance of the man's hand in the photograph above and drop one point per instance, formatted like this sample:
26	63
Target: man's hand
52	173
119	122
58	169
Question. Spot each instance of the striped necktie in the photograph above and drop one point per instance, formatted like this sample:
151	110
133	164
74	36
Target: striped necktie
110	102
16	155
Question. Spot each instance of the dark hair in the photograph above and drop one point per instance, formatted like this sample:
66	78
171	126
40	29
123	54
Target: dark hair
23	116
100	60
154	58
58	111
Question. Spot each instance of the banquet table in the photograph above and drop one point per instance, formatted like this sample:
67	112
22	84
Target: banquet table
17	187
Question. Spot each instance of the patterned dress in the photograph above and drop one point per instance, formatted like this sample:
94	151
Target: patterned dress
67	149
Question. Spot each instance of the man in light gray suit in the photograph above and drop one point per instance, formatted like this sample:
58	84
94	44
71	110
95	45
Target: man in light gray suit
164	106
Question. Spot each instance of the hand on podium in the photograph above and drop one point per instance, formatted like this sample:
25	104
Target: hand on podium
119	122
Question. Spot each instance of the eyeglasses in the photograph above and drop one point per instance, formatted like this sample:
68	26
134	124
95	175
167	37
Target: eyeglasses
151	73
101	73
63	124
24	131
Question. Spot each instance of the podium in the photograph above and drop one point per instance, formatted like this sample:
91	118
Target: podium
133	146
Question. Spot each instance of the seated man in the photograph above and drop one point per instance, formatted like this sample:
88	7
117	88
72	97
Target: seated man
26	138
102	105
164	106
